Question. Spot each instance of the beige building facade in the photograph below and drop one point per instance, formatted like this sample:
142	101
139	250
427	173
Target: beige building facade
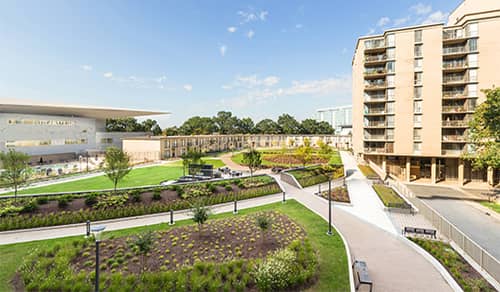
415	90
152	148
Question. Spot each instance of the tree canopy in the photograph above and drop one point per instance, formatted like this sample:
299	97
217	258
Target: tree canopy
132	125
485	132
16	170
116	165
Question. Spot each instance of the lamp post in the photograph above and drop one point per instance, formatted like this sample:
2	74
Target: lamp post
97	232
329	233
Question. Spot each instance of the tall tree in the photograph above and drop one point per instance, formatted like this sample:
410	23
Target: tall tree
198	126
245	126
304	152
116	165
288	124
226	123
252	159
152	126
123	125
171	131
267	126
16	170
324	128
309	126
485	132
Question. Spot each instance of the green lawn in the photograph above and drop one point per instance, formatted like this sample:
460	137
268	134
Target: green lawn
367	171
492	205
152	175
388	195
333	272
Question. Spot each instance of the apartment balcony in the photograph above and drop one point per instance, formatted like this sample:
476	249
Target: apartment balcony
372	86
452	152
375	125
454	36
455	80
375	59
456	124
455	66
375	73
374	46
376	98
375	111
375	138
375	150
451	109
455	94
454	138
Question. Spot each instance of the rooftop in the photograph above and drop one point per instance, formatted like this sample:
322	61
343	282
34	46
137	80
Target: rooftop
23	107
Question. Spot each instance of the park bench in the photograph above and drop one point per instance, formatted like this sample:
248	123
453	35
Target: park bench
423	231
361	271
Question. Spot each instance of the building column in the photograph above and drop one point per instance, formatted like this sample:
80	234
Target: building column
408	168
461	172
384	165
489	175
433	170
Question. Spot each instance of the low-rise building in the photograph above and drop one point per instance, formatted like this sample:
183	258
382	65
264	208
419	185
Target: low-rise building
165	147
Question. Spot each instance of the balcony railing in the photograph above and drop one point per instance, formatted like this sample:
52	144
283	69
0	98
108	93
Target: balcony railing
373	85
454	138
375	137
455	79
374	44
375	124
376	58
456	123
457	109
375	97
377	71
374	150
451	152
455	94
454	50
455	65
375	111
453	35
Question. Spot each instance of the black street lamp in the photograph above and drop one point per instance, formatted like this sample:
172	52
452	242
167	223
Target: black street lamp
97	232
329	233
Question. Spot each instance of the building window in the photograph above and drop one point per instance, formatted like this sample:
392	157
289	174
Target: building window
418	64
41	122
390	67
417	134
418	78
472	88
417	120
391	53
472	30
391	40
418	51
390	121
390	107
472	60
417	107
390	80
418	36
417	147
472	45
473	75
417	92
390	94
389	134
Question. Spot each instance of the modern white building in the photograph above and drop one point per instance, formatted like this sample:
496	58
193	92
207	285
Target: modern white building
339	117
58	133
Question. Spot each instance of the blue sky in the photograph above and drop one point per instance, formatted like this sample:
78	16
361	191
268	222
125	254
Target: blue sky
254	58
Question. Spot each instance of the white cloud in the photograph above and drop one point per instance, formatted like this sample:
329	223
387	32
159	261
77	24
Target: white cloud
250	34
371	31
436	17
262	94
222	50
86	68
188	87
250	16
299	26
231	29
108	74
402	20
421	9
383	21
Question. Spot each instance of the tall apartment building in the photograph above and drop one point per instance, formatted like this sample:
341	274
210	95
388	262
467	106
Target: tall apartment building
339	117
416	88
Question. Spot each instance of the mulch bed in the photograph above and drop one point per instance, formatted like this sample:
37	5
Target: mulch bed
339	194
290	159
218	241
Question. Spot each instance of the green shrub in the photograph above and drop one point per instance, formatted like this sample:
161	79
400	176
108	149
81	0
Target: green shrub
62	202
31	206
228	188
91	199
42	200
136	196
157	194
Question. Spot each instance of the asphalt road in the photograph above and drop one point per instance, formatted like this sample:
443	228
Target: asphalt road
483	229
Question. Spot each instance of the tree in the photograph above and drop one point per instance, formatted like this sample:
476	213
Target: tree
123	125
191	156
16	169
304	152
116	165
198	126
267	126
485	132
263	222
200	214
144	243
171	131
252	159
309	126
226	123
324	128
245	126
288	124
324	148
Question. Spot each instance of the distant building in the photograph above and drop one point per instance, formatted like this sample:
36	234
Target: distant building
150	148
58	133
339	117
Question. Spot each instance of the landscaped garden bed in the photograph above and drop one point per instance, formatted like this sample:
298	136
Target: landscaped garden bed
368	171
339	194
332	267
287	158
390	198
465	275
68	209
231	254
317	174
